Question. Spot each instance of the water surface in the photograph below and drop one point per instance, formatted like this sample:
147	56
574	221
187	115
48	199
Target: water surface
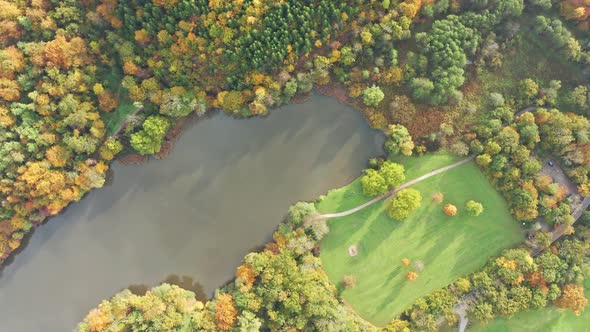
220	193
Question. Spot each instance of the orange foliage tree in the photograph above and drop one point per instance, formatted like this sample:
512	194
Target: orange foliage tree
225	312
450	210
572	297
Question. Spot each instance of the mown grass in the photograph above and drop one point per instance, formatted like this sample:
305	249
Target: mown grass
449	247
550	319
350	196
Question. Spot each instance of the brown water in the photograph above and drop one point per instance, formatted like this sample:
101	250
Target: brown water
220	193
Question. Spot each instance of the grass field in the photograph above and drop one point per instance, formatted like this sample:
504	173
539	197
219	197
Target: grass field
448	247
547	320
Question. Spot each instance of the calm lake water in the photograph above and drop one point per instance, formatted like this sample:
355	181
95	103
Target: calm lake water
221	192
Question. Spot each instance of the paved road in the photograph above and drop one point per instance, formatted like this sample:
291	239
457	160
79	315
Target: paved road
557	233
392	192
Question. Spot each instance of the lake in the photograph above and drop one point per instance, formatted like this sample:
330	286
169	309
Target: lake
220	193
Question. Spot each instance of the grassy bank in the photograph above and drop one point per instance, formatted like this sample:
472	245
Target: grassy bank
449	247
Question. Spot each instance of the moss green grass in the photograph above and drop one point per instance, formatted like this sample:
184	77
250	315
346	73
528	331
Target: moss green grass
449	247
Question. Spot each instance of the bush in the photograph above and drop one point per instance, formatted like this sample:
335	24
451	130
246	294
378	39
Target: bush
473	208
450	210
418	266
349	281
438	197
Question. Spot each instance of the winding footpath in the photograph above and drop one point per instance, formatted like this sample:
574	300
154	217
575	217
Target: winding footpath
392	192
410	183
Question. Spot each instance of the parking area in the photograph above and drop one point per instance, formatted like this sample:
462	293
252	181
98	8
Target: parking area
552	168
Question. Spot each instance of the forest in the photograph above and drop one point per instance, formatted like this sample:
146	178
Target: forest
83	83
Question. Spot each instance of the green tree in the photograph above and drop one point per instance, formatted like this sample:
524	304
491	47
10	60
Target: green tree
299	211
373	95
404	202
373	183
473	208
400	140
149	139
527	90
392	173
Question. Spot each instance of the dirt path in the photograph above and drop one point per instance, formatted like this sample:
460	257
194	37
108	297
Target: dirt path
124	122
392	192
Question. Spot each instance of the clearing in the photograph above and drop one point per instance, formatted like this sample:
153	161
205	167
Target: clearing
448	247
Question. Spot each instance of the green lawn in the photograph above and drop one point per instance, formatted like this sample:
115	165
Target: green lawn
547	320
350	196
448	247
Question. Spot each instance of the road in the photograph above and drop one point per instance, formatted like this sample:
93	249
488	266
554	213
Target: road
557	233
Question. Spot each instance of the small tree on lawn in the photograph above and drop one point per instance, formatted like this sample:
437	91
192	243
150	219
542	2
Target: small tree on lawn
392	173
450	210
473	208
406	201
405	262
438	197
349	281
418	266
411	275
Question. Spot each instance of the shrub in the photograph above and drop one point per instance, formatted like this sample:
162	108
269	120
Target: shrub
438	197
349	281
450	210
418	266
473	208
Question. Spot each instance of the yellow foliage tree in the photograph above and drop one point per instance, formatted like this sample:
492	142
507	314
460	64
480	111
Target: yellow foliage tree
57	156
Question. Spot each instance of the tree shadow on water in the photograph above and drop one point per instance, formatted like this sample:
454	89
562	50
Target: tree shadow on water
185	282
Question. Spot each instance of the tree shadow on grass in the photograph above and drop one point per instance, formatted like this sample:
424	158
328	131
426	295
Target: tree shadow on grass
395	287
